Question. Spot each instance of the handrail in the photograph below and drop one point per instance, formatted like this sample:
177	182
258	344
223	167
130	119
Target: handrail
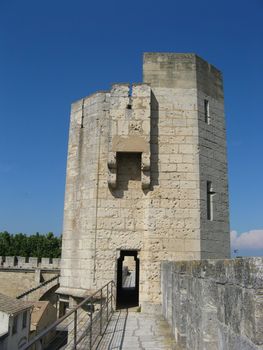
37	287
52	327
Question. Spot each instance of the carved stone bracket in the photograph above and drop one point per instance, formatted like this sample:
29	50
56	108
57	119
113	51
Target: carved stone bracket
146	173
112	170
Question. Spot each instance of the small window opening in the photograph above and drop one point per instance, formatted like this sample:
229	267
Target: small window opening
128	268
24	323
63	304
14	328
129	106
210	194
207	112
128	170
82	113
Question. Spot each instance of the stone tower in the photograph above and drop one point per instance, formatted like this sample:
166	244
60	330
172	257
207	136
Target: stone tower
146	177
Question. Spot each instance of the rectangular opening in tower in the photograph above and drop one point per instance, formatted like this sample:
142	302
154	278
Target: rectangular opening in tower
128	271
129	170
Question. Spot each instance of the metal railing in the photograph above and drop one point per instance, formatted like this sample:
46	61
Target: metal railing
82	327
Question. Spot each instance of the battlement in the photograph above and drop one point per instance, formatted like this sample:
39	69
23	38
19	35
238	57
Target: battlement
21	262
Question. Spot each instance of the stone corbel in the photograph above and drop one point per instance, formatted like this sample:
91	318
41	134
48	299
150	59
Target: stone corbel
112	167
146	173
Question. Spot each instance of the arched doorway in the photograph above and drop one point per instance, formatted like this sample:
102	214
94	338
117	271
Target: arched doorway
128	265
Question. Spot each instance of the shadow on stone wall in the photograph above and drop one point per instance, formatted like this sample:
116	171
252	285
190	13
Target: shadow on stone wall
214	304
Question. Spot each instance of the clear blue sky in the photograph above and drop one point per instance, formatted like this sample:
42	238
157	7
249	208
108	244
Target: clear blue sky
54	52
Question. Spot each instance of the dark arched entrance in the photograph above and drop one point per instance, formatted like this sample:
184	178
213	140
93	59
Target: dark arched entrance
127	293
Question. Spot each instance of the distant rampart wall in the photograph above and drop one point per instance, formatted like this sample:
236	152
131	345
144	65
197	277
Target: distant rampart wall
214	304
18	274
22	262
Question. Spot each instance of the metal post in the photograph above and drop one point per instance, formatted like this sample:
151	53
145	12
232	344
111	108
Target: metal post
107	302
100	311
75	329
90	336
38	345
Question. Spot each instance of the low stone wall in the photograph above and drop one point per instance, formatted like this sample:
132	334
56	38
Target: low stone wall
14	282
214	304
21	262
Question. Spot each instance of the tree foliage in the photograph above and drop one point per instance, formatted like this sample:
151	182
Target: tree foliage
37	245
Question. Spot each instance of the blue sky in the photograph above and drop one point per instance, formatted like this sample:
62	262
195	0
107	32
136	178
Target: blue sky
54	52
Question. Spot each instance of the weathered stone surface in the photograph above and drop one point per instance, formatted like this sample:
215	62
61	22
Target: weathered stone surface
214	304
17	281
139	159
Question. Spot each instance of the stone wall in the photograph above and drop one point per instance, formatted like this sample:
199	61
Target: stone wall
191	151
214	304
22	262
14	282
18	274
214	241
139	159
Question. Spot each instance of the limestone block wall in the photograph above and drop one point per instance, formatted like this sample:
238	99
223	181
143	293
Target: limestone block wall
215	241
14	282
130	128
214	304
137	169
190	152
174	213
85	189
18	274
107	173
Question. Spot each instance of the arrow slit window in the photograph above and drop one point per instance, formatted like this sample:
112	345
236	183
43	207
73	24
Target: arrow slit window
210	194
207	112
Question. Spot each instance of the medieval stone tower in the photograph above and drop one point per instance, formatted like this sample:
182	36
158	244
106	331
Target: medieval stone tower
146	177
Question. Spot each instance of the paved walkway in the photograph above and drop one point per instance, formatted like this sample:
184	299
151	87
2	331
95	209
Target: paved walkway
134	330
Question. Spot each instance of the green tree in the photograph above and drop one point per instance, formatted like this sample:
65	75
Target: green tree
37	245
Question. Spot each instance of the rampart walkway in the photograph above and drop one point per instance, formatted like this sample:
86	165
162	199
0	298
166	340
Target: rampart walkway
134	330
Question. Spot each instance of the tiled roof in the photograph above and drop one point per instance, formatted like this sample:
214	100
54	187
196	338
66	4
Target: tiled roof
11	305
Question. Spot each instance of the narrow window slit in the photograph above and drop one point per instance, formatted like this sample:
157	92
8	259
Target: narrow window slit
82	114
210	193
207	112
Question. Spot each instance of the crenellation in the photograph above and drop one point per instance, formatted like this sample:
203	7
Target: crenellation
21	262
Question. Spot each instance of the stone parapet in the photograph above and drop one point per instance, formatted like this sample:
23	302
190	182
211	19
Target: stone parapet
21	262
214	304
